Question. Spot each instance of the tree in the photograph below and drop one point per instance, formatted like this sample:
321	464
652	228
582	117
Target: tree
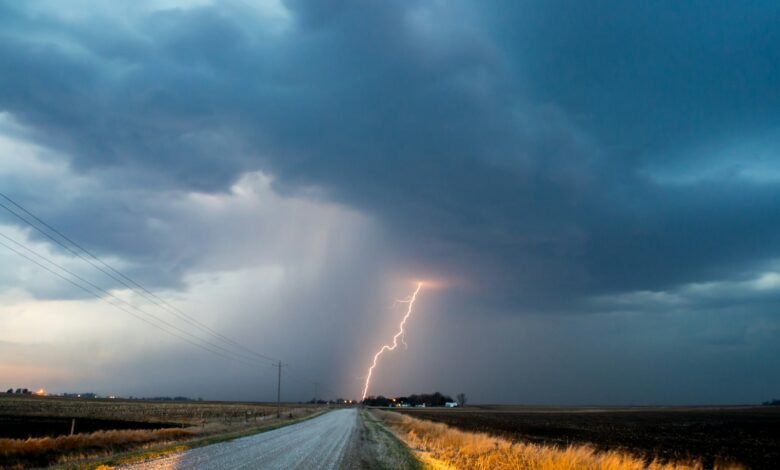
429	399
10	391
377	401
461	397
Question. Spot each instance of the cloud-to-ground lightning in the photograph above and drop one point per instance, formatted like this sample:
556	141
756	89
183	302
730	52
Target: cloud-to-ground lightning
400	334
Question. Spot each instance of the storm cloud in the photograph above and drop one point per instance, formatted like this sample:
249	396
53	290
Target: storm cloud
555	167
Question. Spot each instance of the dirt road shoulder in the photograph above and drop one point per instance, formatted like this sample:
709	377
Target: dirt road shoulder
374	446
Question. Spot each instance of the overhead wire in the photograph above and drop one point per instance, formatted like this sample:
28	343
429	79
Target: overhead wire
139	290
109	294
100	297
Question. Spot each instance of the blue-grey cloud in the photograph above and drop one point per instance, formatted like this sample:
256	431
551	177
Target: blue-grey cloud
547	152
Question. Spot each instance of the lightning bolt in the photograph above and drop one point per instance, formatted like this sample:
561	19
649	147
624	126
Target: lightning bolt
400	334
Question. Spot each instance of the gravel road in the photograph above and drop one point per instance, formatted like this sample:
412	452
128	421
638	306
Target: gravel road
315	443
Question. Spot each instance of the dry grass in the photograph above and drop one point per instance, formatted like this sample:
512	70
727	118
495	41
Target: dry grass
22	453
448	448
375	447
96	440
45	451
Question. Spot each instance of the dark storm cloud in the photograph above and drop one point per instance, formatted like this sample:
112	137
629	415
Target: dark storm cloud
518	143
650	77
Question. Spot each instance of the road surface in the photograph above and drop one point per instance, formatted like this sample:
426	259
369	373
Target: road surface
315	443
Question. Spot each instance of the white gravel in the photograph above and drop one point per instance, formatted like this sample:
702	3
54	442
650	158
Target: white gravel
315	443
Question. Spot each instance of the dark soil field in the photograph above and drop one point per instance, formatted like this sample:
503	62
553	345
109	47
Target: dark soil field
746	435
23	427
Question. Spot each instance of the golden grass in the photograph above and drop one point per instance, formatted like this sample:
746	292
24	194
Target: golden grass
448	447
44	451
92	441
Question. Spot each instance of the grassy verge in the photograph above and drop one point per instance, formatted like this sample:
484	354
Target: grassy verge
381	449
118	447
440	447
168	449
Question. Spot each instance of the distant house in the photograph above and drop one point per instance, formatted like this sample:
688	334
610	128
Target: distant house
451	404
89	395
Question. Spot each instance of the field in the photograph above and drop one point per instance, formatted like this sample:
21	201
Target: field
24	427
745	435
184	412
439	446
34	431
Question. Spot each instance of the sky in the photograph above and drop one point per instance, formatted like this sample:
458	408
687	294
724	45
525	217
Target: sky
590	193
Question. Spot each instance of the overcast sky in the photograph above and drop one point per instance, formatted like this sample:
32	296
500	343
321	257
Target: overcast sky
591	192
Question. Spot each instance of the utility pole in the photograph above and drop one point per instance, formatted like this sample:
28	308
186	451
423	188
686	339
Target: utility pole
279	392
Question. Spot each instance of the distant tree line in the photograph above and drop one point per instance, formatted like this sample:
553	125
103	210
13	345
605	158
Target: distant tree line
344	401
378	400
427	399
88	395
172	399
461	397
774	402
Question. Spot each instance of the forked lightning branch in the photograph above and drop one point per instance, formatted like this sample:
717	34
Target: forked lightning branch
389	347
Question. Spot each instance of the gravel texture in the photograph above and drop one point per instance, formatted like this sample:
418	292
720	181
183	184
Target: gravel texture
315	443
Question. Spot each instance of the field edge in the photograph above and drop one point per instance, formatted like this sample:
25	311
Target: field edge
166	450
376	446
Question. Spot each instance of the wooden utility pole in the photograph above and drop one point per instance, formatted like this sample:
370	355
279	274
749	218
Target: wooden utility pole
279	392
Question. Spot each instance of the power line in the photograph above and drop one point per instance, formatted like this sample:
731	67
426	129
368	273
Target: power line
139	289
146	293
99	297
134	307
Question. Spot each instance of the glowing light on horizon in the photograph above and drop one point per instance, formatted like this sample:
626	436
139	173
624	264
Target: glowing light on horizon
400	334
